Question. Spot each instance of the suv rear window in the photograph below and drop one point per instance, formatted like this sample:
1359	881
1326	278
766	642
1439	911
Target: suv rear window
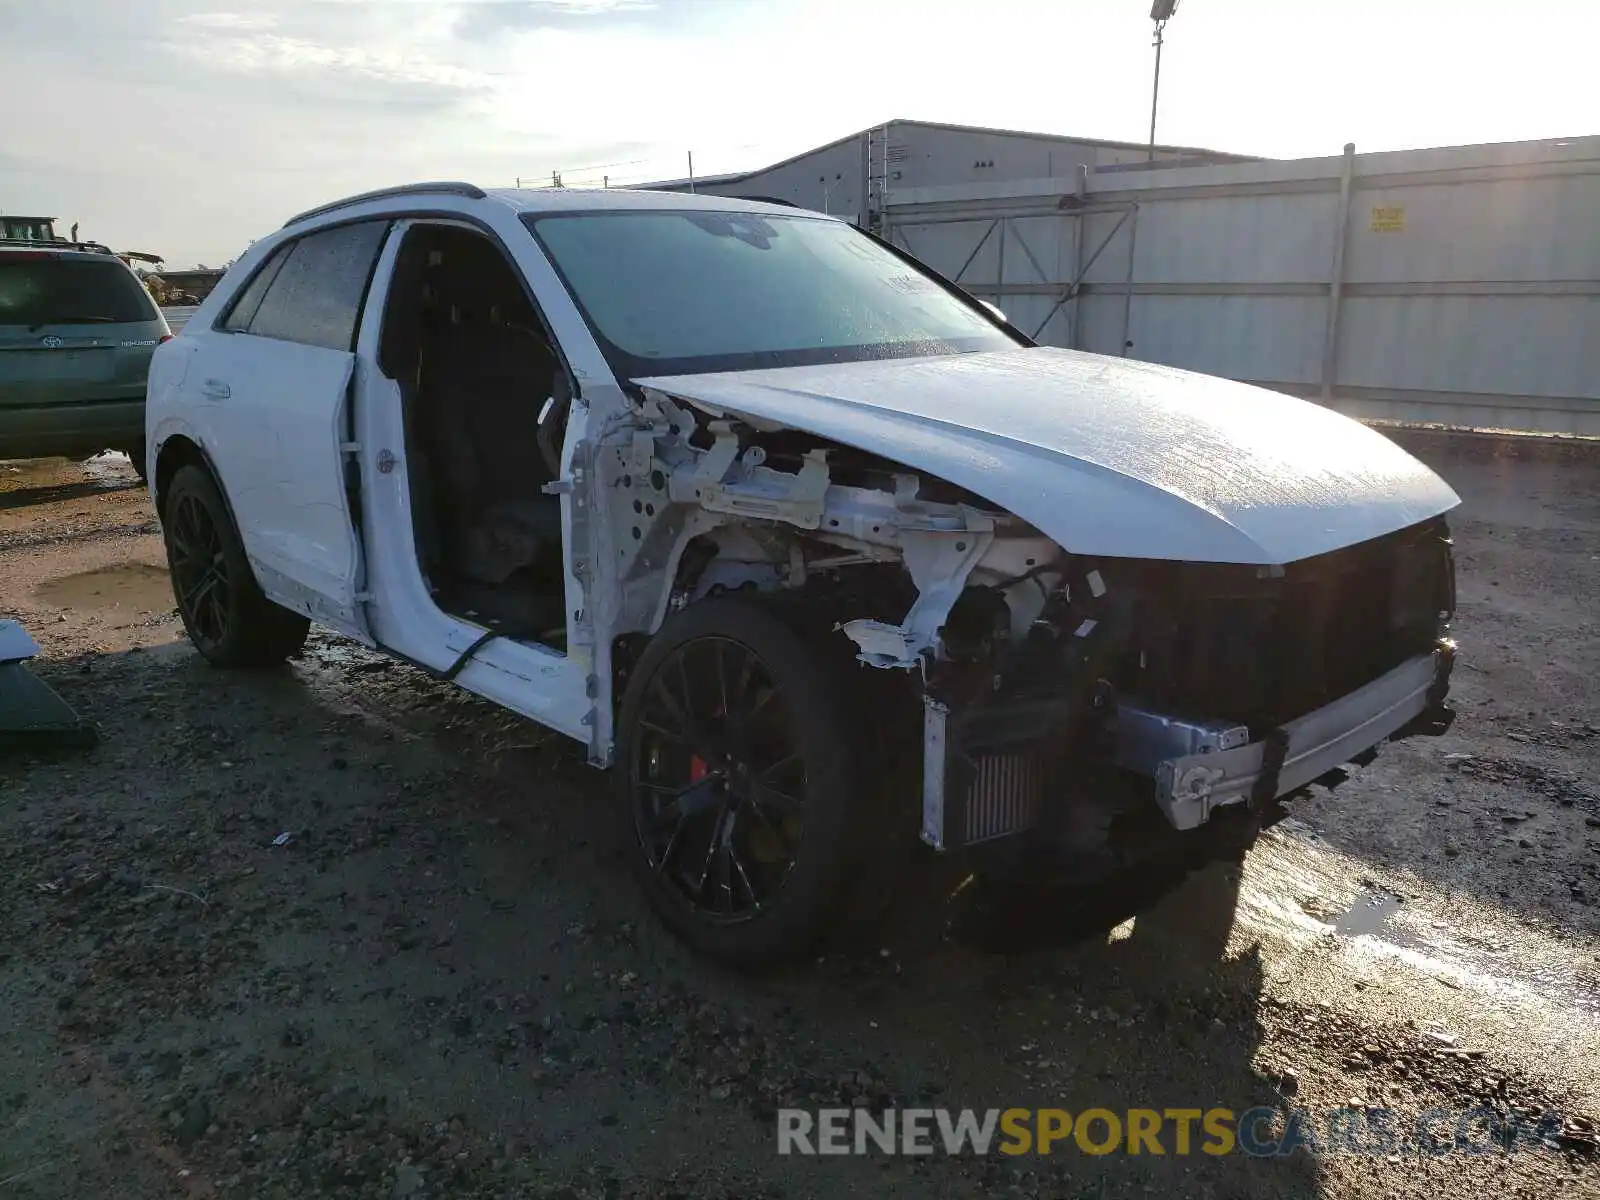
70	291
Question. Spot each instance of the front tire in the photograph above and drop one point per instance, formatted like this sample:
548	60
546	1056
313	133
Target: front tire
736	783
227	617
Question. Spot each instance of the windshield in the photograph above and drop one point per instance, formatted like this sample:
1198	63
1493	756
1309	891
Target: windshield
68	291
680	292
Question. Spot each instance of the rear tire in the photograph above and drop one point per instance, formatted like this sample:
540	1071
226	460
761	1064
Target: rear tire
135	453
228	619
736	784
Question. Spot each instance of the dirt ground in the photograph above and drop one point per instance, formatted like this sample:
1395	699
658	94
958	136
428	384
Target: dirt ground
338	930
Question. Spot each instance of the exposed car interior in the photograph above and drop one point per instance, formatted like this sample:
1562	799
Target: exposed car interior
485	398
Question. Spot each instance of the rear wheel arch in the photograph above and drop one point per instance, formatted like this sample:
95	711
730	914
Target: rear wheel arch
177	452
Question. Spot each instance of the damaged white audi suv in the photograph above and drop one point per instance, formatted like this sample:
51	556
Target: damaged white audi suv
803	542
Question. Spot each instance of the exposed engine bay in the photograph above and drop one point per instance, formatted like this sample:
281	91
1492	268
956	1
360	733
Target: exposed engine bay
1137	687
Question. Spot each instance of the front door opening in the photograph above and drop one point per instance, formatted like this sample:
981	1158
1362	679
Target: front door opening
477	372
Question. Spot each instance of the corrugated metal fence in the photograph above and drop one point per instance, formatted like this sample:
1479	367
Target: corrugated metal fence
1459	286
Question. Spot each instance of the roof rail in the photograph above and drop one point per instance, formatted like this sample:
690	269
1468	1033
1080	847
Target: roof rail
448	187
53	244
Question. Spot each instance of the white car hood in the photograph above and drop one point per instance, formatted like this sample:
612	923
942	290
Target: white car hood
1107	456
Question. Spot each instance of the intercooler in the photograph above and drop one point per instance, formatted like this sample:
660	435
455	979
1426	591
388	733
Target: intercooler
1004	793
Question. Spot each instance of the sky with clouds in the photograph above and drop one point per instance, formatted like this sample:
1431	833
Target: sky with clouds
187	127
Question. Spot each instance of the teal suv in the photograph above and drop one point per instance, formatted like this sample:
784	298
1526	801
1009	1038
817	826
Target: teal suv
77	330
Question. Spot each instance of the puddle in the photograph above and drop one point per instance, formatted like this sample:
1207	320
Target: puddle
29	481
131	589
1290	888
1369	914
112	467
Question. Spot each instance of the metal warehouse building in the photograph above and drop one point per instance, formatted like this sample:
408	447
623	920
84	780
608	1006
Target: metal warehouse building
856	174
1457	285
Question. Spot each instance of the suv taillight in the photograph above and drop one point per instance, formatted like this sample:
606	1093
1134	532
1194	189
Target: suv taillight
167	337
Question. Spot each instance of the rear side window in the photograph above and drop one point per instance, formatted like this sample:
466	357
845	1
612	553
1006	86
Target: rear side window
244	308
70	291
314	295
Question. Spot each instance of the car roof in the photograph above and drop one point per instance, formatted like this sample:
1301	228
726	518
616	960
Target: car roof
554	200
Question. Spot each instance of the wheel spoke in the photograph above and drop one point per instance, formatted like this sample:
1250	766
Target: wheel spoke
206	604
672	844
785	846
735	701
711	850
203	589
675	712
216	615
199	569
202	618
747	669
696	798
768	774
722	684
764	796
725	865
700	684
683	687
662	731
191	524
744	876
759	708
181	548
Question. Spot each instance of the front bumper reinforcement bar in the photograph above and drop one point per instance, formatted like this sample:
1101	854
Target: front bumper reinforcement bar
1190	787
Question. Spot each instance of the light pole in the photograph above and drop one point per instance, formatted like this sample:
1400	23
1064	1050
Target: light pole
1160	12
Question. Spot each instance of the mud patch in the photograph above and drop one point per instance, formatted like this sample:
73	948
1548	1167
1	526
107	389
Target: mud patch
25	483
1527	778
130	589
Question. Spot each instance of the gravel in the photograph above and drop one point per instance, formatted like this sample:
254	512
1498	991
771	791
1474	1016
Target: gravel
441	983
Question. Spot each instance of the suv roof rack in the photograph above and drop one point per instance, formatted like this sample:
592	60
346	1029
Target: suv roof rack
448	187
53	244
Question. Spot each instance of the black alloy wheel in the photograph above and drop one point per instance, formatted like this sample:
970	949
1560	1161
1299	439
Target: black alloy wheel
736	781
200	576
227	617
718	780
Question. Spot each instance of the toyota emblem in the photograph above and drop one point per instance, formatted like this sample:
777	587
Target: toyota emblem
50	342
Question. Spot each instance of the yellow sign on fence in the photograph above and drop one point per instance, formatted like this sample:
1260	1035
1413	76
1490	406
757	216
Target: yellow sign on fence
1388	220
